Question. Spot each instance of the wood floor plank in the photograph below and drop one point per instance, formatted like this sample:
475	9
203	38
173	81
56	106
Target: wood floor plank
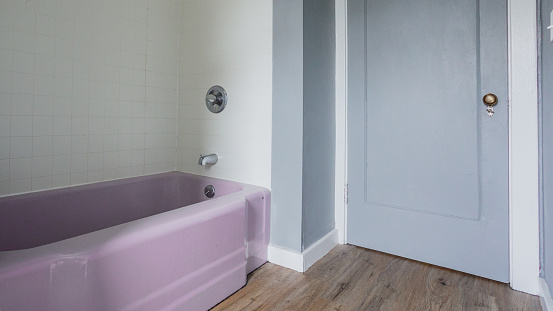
351	278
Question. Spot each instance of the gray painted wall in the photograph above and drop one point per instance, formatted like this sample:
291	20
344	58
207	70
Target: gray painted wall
547	144
303	142
287	141
319	114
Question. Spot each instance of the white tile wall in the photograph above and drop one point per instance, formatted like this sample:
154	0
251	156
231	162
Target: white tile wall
234	51
88	91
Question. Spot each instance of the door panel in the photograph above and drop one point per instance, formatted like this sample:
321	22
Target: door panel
427	167
421	76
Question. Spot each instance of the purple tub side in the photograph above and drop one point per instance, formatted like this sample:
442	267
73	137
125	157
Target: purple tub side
184	259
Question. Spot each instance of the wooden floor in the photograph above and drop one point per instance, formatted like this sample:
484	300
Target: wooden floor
353	278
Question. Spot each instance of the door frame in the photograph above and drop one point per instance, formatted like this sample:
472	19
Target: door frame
523	140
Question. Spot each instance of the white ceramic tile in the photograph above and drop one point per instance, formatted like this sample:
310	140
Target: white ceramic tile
45	45
126	75
124	172
45	25
20	168
42	146
23	41
63	86
61	181
82	51
43	125
43	105
79	178
95	176
43	85
96	107
41	183
125	142
81	69
5	104
125	109
95	161
21	147
138	157
61	145
21	126
20	186
78	163
125	158
79	107
111	109
5	126
125	125
126	92
42	166
23	62
4	187
47	8
44	64
6	60
96	126
22	105
61	125
64	29
112	74
111	91
6	38
139	93
64	48
79	145
5	146
110	174
81	88
4	170
22	83
137	170
111	142
61	164
74	98
95	143
5	81
63	67
79	125
97	72
127	57
111	160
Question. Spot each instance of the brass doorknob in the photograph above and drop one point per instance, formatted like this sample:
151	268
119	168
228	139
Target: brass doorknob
490	100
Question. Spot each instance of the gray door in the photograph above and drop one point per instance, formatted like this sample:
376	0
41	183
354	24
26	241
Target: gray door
427	166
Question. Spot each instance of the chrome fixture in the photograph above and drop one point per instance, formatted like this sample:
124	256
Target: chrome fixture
209	191
209	159
216	99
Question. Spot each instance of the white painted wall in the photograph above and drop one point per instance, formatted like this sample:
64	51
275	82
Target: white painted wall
229	46
523	146
88	91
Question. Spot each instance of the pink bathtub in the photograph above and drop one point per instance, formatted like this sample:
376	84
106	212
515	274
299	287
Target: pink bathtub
146	243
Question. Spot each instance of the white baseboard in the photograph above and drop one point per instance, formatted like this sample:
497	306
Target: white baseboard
545	296
285	257
302	261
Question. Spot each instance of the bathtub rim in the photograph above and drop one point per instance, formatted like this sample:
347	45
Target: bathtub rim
115	182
